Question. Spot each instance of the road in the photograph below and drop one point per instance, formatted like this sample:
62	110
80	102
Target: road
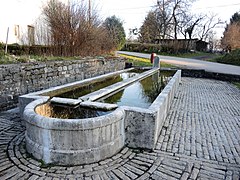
188	63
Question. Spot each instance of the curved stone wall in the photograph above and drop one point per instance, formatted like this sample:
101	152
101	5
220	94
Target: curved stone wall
73	141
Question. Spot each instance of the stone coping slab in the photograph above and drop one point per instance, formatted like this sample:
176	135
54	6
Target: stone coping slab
66	101
99	106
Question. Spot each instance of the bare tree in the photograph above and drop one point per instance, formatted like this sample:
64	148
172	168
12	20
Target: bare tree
71	30
42	32
180	14
207	24
172	15
164	17
189	30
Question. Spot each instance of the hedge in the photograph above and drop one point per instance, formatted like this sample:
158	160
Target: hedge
231	58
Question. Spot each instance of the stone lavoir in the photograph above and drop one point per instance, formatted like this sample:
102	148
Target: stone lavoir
82	139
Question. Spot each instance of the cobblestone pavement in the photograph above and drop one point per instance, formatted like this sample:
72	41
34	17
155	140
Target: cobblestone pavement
200	140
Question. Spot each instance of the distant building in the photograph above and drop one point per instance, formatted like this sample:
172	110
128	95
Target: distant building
13	34
193	44
19	34
31	35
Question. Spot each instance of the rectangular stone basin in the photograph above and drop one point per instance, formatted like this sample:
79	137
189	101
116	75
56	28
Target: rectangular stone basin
145	116
75	92
141	93
76	137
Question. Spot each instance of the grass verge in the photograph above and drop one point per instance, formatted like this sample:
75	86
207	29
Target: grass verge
237	84
12	59
137	61
232	58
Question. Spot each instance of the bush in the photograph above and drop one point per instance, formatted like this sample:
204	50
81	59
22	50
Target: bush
1	49
173	48
142	47
231	58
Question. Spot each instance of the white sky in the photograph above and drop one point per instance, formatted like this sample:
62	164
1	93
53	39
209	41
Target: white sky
132	12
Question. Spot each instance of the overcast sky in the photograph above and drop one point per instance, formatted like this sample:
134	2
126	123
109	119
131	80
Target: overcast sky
132	12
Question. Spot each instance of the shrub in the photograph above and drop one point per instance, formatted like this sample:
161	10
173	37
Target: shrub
173	48
231	58
142	47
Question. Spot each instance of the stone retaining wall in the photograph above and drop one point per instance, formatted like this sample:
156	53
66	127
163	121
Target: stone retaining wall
210	75
19	79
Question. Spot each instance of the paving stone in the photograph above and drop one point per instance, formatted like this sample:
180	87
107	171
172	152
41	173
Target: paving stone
141	163
94	173
25	176
162	175
143	159
189	167
128	173
140	167
113	176
33	177
5	165
105	161
144	176
169	172
194	173
127	155
104	176
39	173
133	169
125	150
199	140
236	175
81	170
184	176
152	169
96	176
212	174
18	175
9	173
120	174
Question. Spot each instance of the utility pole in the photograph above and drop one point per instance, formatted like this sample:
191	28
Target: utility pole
6	45
164	20
89	11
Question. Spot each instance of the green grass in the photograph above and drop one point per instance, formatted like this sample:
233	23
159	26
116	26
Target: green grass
195	54
137	61
200	56
11	59
230	58
237	84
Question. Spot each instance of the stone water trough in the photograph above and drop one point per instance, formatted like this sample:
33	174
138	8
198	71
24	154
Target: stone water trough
66	131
